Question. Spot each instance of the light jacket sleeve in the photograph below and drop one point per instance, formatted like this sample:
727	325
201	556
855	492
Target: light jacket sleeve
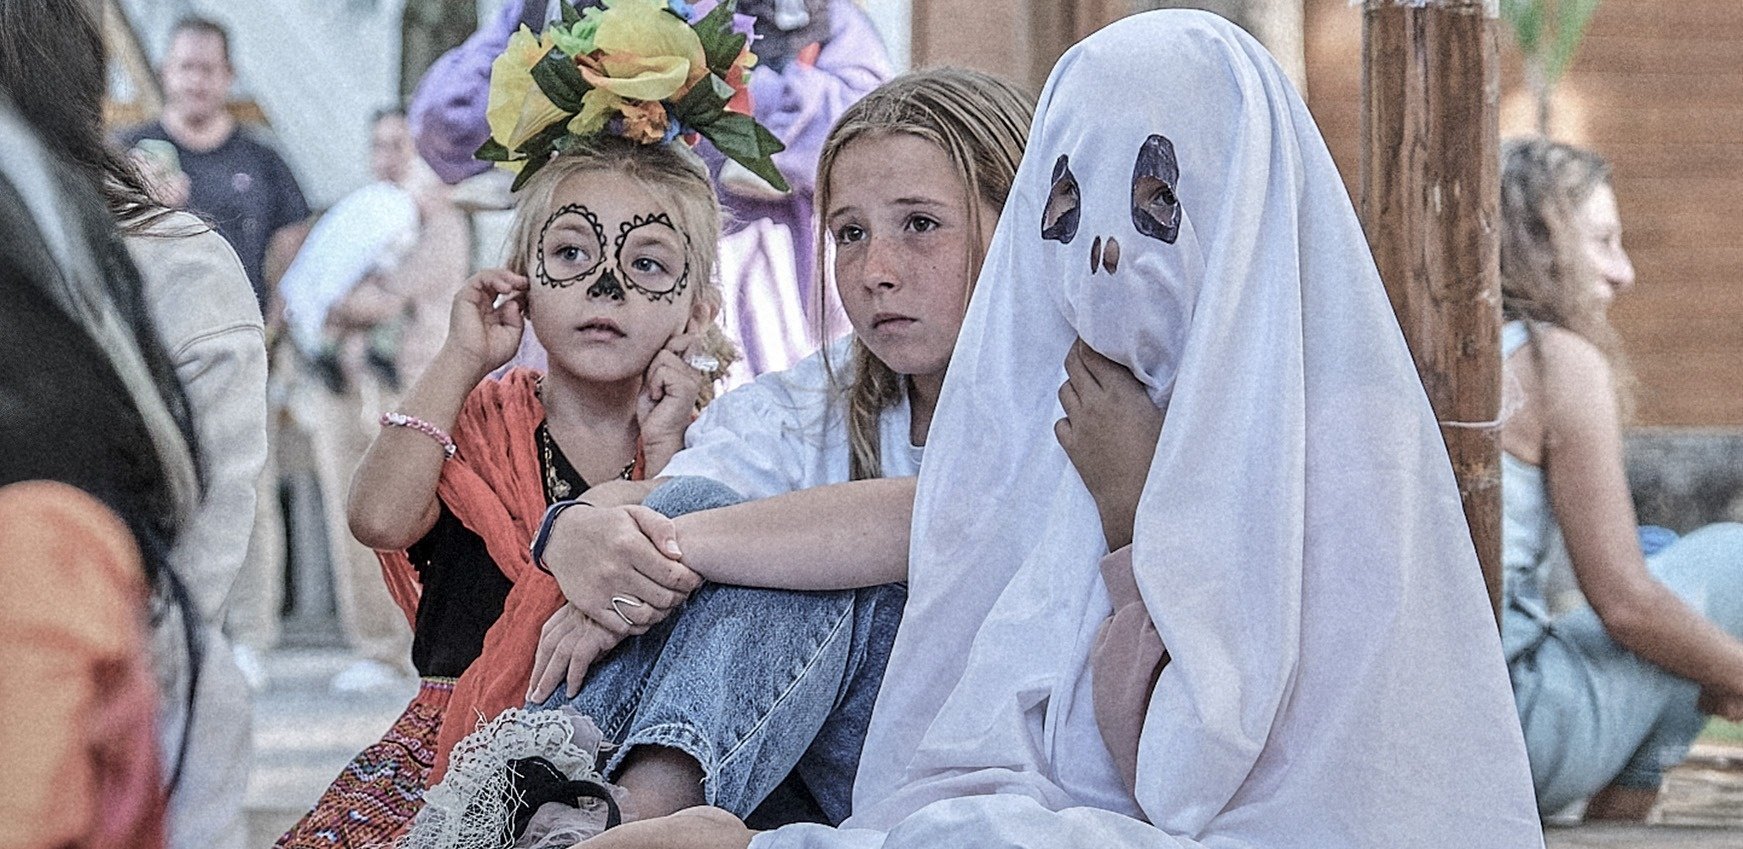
207	318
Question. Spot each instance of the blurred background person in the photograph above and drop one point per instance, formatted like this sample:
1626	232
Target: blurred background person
233	178
238	182
202	308
1614	680
366	308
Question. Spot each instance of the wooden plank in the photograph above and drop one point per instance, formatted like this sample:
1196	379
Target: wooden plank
1430	199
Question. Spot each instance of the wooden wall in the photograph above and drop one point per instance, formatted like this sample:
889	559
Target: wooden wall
1658	89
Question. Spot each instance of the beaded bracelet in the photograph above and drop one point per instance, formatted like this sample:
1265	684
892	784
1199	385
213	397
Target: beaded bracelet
423	427
544	535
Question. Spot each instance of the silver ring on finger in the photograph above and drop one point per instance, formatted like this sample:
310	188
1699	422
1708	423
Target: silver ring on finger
617	603
703	363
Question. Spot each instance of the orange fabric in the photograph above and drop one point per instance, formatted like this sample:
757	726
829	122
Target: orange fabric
79	744
494	486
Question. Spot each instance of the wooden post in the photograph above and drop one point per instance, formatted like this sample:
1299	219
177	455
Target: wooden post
1430	204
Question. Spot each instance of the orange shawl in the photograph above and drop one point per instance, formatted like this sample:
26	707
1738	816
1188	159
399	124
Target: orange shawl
494	486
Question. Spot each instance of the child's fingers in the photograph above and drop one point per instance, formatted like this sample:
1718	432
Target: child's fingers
1107	372
1077	369
680	345
586	651
544	681
1070	400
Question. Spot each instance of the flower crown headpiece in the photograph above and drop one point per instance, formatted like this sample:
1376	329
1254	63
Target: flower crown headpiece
636	69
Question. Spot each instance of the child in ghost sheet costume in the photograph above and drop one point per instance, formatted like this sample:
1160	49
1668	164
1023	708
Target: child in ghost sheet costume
1336	678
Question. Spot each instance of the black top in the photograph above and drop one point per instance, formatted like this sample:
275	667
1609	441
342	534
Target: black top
463	590
243	186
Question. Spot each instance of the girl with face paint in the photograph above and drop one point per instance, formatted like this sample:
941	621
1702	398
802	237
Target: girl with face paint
1179	252
611	265
1598	721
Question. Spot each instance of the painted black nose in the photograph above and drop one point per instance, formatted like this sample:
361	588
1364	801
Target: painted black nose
1104	256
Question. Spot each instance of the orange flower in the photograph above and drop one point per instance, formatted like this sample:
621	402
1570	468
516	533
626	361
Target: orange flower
644	121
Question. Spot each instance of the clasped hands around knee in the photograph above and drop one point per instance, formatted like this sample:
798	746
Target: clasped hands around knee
622	572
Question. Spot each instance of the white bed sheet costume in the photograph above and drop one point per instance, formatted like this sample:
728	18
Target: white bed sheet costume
1337	678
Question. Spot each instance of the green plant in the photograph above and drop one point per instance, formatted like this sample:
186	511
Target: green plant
1548	33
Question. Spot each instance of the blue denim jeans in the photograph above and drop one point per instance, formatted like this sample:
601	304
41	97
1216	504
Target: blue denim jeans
1596	714
760	686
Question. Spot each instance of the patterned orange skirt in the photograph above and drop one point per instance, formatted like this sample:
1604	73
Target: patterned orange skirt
373	800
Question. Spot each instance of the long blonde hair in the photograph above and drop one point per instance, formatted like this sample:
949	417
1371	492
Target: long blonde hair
981	122
676	177
1546	277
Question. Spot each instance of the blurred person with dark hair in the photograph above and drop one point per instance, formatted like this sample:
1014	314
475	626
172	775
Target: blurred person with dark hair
97	482
232	177
198	300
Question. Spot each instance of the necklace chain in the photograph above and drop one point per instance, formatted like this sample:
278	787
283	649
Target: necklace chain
556	488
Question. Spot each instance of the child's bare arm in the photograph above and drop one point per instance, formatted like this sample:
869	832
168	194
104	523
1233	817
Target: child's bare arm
1109	432
393	493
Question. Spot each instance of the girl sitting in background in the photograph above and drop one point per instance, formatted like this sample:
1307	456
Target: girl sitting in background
1611	688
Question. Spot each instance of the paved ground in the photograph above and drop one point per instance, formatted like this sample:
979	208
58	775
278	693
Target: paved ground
304	733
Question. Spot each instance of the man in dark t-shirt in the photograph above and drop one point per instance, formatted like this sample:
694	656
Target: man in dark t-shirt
232	178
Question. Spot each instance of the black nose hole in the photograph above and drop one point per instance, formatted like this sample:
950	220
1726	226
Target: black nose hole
1110	255
1095	256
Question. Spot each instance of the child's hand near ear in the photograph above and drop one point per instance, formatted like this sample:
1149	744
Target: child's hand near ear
1109	432
668	400
480	332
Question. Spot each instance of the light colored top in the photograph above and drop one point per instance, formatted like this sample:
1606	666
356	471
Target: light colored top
1536	573
367	231
207	318
787	431
1299	543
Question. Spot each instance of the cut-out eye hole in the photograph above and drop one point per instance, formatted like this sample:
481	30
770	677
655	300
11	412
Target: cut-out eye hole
1155	203
1064	205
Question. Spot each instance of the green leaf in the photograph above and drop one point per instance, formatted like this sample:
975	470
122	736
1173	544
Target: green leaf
748	143
1572	19
720	44
576	39
526	173
570	16
705	102
493	151
561	81
1526	18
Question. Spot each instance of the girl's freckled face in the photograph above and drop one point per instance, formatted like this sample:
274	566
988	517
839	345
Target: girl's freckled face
902	235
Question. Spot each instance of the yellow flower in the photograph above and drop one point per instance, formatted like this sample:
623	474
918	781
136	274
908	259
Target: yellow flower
597	107
644	52
518	109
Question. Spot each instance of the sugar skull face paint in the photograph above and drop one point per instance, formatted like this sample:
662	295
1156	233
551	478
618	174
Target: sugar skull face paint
1155	206
651	257
571	247
1064	204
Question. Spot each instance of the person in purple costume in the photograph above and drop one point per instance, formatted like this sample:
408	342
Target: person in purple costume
815	58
